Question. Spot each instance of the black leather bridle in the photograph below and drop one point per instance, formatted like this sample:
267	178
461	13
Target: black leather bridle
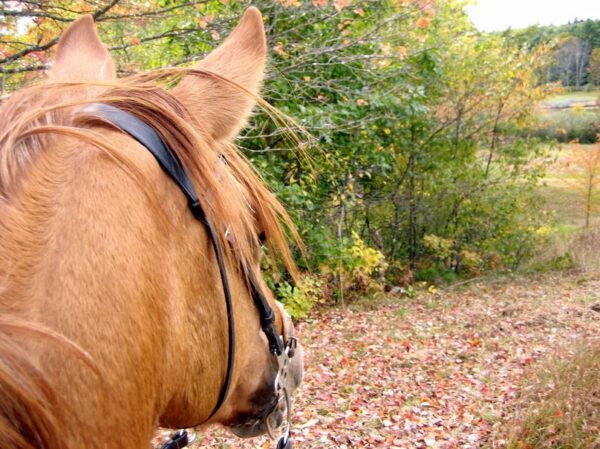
170	163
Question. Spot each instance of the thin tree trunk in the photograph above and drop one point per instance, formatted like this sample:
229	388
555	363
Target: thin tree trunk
412	215
340	248
588	205
494	138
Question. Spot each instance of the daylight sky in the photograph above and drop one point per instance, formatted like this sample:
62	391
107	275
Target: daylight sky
494	15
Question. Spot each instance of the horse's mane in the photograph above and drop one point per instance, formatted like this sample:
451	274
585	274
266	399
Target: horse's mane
232	193
31	410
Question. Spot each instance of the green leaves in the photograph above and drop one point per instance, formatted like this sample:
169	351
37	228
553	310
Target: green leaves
420	121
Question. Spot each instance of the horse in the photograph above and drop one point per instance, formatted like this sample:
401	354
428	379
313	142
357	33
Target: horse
112	317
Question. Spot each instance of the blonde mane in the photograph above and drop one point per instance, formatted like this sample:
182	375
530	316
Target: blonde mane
231	192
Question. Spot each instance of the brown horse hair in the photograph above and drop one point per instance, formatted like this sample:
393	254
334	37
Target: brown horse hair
232	194
145	96
30	409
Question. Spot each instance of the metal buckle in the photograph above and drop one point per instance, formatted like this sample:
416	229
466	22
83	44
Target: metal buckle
282	384
283	360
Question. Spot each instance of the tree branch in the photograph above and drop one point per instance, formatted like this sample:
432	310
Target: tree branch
45	15
29	68
43	47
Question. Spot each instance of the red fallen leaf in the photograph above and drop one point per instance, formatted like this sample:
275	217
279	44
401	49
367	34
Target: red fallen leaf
475	342
406	345
527	360
558	413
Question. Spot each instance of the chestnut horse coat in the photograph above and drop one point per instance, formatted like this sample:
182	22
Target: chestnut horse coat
112	319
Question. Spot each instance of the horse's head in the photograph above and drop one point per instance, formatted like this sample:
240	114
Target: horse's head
133	277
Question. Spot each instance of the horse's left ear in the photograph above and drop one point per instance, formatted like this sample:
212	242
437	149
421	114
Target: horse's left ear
81	56
222	109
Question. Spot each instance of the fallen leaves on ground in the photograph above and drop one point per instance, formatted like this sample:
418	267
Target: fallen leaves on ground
435	371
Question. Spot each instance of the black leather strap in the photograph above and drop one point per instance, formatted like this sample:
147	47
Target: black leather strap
267	317
149	138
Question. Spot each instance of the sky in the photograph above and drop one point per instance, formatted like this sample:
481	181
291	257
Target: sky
497	15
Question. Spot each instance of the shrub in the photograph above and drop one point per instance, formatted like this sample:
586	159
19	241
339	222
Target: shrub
356	265
439	248
300	299
362	259
436	274
450	260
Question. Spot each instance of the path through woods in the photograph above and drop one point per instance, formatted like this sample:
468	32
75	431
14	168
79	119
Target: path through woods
434	371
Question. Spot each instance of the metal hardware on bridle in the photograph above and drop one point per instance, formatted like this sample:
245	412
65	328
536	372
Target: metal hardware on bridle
282	382
178	440
170	163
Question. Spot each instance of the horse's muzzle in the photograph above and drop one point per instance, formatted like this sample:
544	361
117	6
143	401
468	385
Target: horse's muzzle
270	417
252	427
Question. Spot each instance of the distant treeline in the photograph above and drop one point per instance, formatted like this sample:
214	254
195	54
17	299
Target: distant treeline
576	51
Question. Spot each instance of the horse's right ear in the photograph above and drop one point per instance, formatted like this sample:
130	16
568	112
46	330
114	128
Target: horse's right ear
221	107
81	56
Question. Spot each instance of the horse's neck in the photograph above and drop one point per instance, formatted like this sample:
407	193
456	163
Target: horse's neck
87	255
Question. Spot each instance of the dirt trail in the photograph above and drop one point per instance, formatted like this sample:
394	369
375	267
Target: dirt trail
435	371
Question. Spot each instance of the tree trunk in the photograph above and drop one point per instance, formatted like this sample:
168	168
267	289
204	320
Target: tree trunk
412	214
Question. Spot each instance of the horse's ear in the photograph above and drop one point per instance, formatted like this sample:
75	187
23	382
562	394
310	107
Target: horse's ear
221	108
81	56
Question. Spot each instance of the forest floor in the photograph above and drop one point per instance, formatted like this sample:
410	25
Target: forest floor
441	370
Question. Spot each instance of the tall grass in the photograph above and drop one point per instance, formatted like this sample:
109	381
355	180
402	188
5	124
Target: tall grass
561	408
571	124
569	249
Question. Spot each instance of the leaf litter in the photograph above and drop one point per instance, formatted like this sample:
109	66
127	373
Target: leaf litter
440	370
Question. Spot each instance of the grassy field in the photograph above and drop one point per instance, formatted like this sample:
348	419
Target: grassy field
573	97
562	196
570	245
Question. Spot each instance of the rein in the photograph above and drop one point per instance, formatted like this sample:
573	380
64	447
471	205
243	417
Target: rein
170	163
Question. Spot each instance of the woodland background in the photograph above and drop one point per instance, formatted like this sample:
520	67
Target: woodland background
438	156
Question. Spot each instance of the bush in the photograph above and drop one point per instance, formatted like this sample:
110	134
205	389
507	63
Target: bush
300	299
358	266
436	275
